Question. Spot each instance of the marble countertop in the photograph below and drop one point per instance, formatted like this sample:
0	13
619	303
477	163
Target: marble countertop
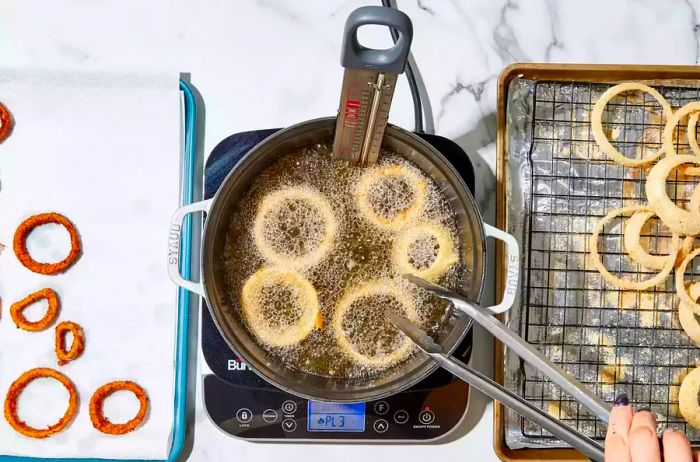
271	63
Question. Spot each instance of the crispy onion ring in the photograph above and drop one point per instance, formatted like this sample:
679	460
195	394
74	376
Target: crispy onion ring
597	122
681	289
670	127
5	122
306	298
17	309
12	416
686	315
272	203
20	243
692	131
77	347
626	283
446	255
678	220
101	423
688	398
403	217
367	289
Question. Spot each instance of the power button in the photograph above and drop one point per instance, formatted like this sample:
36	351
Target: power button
426	416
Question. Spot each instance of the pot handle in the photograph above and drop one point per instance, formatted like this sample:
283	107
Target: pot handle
174	246
512	268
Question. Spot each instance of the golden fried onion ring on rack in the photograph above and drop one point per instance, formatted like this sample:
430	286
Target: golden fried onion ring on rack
686	315
678	220
12	416
446	254
403	217
303	292
272	203
101	423
597	122
667	138
688	398
368	289
692	130
626	283
681	288
633	245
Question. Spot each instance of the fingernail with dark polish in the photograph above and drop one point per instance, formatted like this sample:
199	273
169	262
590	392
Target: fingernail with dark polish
622	400
644	409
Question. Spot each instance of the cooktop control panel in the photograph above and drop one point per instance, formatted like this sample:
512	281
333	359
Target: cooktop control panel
271	414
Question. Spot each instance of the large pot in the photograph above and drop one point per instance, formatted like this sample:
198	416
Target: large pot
213	288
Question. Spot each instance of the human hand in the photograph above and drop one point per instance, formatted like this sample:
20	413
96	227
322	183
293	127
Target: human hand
632	437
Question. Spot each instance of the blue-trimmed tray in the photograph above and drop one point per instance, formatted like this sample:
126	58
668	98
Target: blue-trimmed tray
183	297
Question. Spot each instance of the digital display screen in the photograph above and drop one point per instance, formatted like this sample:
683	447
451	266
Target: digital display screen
335	417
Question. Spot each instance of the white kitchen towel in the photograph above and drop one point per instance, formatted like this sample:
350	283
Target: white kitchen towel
104	150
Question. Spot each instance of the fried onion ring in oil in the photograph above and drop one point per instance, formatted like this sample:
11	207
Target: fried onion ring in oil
368	289
597	122
20	243
77	346
6	122
12	416
273	203
16	310
446	254
101	423
305	297
404	217
626	283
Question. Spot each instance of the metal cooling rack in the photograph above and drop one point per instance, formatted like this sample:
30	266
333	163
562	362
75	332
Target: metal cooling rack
614	340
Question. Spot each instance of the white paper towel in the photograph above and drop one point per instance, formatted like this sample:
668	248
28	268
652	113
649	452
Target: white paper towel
104	150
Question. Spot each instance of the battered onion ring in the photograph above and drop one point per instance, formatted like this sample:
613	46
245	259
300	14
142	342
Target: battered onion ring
271	203
76	348
101	423
626	283
678	220
446	256
402	218
688	398
686	315
19	385
692	131
637	253
306	297
681	289
20	243
671	122
367	289
5	122
16	310
597	123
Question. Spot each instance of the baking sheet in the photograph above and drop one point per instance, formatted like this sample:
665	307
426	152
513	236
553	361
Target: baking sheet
104	150
565	184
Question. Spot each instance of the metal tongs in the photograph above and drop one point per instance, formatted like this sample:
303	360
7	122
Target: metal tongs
529	354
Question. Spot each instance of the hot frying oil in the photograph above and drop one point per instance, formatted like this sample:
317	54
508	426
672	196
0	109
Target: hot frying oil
361	252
